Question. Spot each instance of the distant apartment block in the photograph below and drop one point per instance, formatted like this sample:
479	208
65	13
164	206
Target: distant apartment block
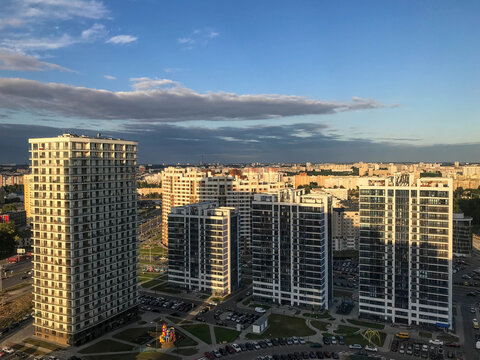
291	248
406	250
462	234
345	228
203	248
191	185
84	219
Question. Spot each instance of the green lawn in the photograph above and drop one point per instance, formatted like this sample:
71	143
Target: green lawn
152	283
425	334
320	325
156	250
107	346
345	330
43	344
184	340
283	326
186	352
324	315
133	334
166	289
225	335
366	324
200	331
447	338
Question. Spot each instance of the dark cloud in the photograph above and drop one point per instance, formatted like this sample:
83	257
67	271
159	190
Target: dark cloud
173	104
290	143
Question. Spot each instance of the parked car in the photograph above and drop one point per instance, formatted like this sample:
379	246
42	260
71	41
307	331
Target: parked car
371	348
436	341
355	346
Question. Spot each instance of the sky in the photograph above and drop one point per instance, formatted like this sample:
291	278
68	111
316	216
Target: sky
245	81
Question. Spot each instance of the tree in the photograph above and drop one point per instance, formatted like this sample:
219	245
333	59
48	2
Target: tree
8	237
9	207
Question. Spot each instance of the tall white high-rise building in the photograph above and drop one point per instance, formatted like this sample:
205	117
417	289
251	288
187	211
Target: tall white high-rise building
406	250
203	248
83	209
291	248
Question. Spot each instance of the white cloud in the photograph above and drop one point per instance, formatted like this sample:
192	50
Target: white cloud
144	83
20	62
94	32
165	104
185	40
34	44
109	77
122	39
198	36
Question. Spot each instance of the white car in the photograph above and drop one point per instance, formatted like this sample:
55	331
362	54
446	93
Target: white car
301	340
256	345
8	350
260	310
435	342
236	347
355	347
333	340
295	340
371	348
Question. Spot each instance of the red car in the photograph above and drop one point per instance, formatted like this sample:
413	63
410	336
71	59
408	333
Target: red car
209	355
230	349
455	345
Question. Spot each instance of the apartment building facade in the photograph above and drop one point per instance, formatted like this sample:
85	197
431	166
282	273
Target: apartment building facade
405	256
462	234
203	249
291	248
83	209
345	228
191	185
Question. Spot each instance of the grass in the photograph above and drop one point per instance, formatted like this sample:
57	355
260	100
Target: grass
247	301
156	250
166	289
107	346
225	335
15	287
425	334
186	352
320	325
147	276
366	324
200	331
133	334
447	338
184	340
43	344
346	330
152	283
283	326
324	315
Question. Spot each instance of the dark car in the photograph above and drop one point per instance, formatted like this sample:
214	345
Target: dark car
223	351
230	349
249	346
327	354
312	355
320	355
326	340
275	342
341	341
335	355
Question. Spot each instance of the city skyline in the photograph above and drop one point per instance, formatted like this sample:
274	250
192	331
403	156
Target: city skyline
314	82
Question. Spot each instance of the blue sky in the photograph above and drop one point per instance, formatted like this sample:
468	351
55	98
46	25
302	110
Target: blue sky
331	80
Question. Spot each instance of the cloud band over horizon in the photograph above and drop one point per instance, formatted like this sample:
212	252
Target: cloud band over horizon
173	104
